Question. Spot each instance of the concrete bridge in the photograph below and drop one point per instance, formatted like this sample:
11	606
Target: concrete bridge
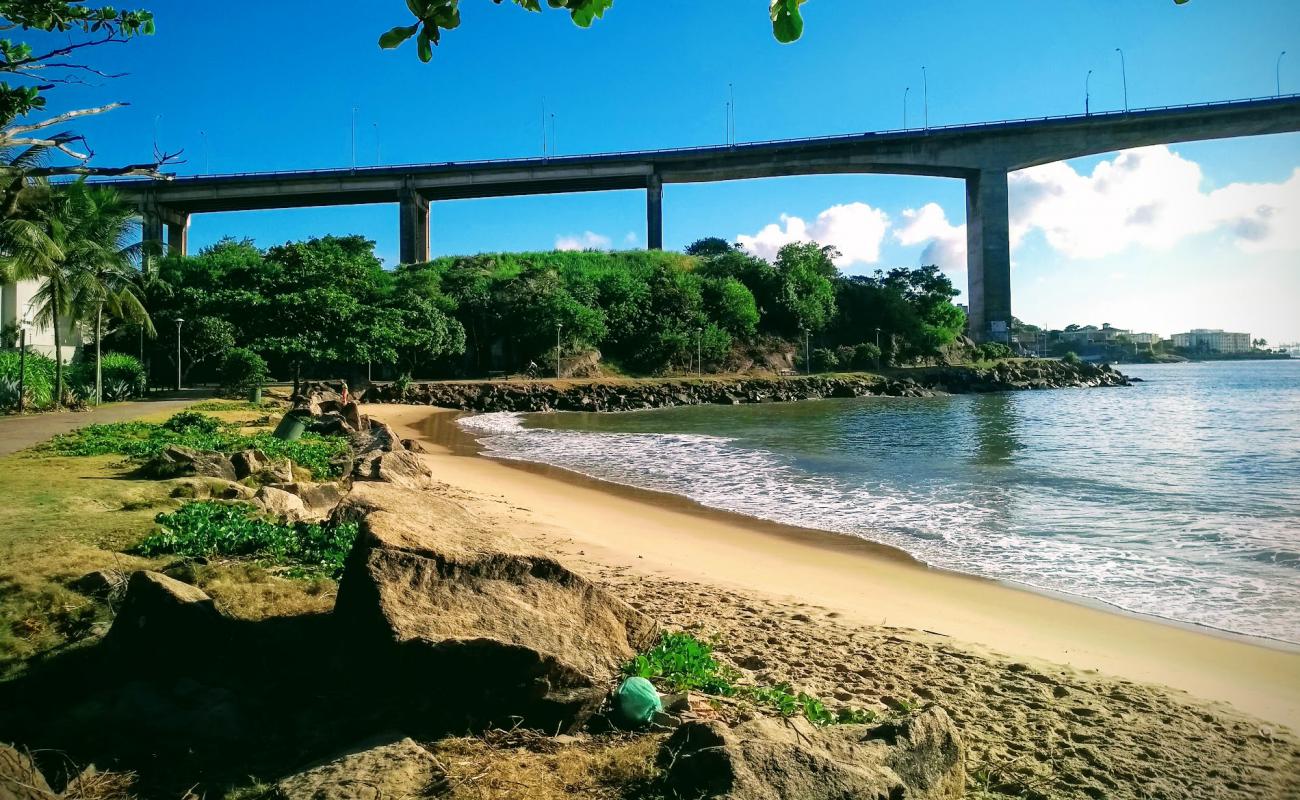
980	154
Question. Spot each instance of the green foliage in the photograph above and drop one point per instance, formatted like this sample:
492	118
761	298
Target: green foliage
39	378
242	370
708	247
117	368
143	440
680	662
211	528
993	351
1071	357
824	360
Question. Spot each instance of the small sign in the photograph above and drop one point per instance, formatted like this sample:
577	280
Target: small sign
998	326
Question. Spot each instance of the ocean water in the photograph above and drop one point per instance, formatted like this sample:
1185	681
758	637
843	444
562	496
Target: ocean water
1178	497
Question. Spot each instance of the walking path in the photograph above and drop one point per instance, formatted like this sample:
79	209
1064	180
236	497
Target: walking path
19	433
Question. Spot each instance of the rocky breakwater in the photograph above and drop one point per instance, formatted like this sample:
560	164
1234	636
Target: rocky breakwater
629	395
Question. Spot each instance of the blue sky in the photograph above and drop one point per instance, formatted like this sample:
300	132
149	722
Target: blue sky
255	86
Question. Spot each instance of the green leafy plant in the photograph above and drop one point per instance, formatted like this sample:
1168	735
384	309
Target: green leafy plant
1072	358
39	383
243	370
210	528
143	440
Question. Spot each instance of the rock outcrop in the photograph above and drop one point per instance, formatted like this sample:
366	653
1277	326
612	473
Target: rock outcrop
473	625
625	395
920	758
400	769
162	617
176	461
19	777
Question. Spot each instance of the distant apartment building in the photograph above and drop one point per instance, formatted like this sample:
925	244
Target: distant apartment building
1145	338
1091	334
1212	341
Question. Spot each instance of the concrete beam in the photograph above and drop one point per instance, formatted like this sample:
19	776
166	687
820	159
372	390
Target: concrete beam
988	256
413	234
654	213
151	234
178	237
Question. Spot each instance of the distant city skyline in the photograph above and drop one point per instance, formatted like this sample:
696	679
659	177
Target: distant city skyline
1165	238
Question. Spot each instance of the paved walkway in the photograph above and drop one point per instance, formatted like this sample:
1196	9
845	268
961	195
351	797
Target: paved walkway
19	433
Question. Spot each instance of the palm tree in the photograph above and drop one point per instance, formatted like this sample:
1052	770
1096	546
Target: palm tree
101	260
78	241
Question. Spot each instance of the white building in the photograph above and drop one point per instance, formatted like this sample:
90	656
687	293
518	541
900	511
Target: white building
16	304
1213	341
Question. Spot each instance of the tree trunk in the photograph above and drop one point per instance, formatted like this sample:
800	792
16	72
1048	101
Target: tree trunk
297	377
99	373
58	350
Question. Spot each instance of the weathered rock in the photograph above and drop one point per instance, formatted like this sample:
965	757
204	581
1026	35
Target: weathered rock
472	625
393	771
100	584
161	615
353	416
198	488
318	499
19	777
398	467
176	461
279	503
414	446
248	462
921	758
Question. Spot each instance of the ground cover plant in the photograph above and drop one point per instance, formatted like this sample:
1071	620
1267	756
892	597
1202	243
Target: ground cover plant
680	662
39	379
208	528
142	440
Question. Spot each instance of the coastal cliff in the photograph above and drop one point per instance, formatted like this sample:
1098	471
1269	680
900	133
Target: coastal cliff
632	394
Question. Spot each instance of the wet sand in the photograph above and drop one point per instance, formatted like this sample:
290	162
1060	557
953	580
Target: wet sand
641	538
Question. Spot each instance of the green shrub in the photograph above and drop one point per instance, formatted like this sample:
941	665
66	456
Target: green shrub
993	351
1071	357
209	528
142	440
824	360
122	376
243	370
39	382
866	356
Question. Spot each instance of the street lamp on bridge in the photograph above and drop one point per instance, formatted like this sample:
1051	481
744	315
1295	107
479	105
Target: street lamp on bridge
1277	72
905	91
1087	94
925	89
1123	71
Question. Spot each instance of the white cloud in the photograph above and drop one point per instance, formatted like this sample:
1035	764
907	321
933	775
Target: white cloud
855	229
1148	197
587	241
945	243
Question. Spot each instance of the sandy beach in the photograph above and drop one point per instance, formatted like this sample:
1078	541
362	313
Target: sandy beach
860	582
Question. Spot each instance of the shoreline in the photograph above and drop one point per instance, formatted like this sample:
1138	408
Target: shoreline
609	525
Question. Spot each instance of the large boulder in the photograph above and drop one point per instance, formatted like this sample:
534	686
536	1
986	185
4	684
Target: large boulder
161	616
19	777
177	461
920	758
280	504
470	626
397	770
318	499
399	467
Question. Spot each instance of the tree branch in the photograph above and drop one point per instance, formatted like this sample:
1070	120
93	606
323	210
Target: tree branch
12	130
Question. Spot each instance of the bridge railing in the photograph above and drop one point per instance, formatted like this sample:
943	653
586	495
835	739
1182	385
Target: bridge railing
721	148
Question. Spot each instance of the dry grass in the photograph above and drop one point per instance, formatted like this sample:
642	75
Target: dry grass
507	765
65	516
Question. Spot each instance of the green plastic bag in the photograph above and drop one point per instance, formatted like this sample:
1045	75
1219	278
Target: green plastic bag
638	701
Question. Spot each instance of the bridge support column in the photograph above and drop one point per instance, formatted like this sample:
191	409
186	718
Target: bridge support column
151	234
178	236
988	256
414	228
654	213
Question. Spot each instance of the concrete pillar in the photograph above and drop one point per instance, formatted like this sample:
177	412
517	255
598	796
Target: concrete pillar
988	256
413	228
178	236
654	213
151	232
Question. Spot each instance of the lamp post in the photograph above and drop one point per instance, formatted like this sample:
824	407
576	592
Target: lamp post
554	148
1087	94
905	91
179	323
22	363
807	359
877	338
731	116
925	87
699	352
1123	71
1277	72
557	350
354	137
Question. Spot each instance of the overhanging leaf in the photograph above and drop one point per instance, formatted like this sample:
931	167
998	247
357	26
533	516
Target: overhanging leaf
787	22
396	36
